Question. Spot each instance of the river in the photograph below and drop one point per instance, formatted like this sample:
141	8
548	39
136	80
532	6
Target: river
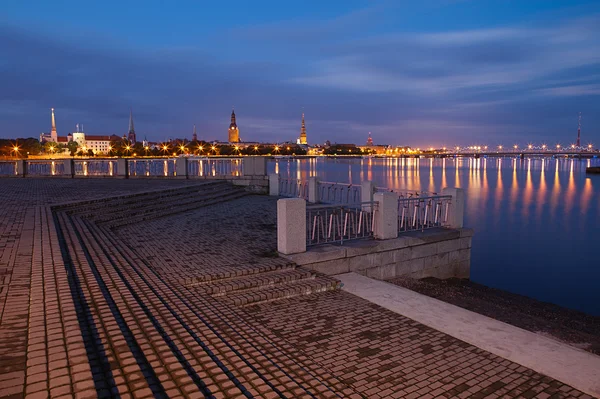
536	220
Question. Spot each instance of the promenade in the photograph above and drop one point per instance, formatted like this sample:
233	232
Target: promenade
173	288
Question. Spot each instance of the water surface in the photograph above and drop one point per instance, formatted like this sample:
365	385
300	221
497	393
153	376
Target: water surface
536	220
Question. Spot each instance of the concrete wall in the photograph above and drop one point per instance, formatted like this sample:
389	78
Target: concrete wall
439	253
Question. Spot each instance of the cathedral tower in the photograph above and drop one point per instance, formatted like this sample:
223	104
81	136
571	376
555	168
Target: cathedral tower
234	132
131	133
303	131
53	133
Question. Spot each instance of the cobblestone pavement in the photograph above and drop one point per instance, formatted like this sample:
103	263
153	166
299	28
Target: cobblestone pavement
179	293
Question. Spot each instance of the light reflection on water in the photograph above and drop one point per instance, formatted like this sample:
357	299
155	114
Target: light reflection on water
536	220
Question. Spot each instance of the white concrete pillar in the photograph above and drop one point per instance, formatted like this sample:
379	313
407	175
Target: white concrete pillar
367	189
291	225
248	166
313	190
21	169
122	168
69	167
181	168
274	184
457	209
386	216
255	166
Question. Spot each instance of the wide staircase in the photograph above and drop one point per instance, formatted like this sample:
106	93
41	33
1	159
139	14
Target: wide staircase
150	336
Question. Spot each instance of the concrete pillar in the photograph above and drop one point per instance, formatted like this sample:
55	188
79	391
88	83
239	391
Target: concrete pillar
21	169
291	225
69	167
248	166
457	209
254	166
274	184
367	189
181	168
386	216
122	168
313	190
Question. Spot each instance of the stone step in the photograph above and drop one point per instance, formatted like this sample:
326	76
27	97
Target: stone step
118	210
226	273
252	282
292	289
173	210
134	197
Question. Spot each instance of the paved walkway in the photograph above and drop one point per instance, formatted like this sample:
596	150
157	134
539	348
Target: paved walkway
129	297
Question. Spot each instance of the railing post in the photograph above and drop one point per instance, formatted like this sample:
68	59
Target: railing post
21	169
457	210
181	168
291	225
313	190
122	168
69	167
386	216
274	184
367	189
254	166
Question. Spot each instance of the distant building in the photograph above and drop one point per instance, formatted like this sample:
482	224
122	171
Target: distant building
98	144
370	140
302	139
194	135
131	133
234	132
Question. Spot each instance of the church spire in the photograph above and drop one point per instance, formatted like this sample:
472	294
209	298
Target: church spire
53	133
131	133
194	135
303	131
233	132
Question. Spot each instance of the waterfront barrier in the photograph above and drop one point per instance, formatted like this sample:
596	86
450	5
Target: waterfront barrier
372	238
245	171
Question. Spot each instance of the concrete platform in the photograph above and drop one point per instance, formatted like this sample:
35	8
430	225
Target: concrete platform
565	363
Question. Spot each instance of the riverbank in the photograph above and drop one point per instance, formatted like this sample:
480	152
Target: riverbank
569	326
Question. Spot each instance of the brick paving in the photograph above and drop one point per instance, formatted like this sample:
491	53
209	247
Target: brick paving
109	291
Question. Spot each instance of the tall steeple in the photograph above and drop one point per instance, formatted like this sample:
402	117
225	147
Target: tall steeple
194	135
303	131
131	133
370	140
53	132
234	132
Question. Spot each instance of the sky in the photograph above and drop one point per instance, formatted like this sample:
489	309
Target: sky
420	73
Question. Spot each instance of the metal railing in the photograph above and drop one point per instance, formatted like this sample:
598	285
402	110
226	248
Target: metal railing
8	168
339	223
46	168
160	167
209	167
95	167
418	213
293	188
338	193
404	193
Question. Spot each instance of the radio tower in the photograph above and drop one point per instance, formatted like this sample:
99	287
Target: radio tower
579	132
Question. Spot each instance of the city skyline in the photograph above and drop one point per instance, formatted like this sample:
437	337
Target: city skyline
434	74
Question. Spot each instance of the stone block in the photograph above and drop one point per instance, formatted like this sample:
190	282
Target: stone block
465	242
456	217
448	245
181	168
330	267
466	232
362	247
422	251
386	217
68	167
313	190
291	225
274	184
362	262
318	254
122	168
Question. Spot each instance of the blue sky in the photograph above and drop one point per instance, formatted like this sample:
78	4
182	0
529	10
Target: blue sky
426	73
